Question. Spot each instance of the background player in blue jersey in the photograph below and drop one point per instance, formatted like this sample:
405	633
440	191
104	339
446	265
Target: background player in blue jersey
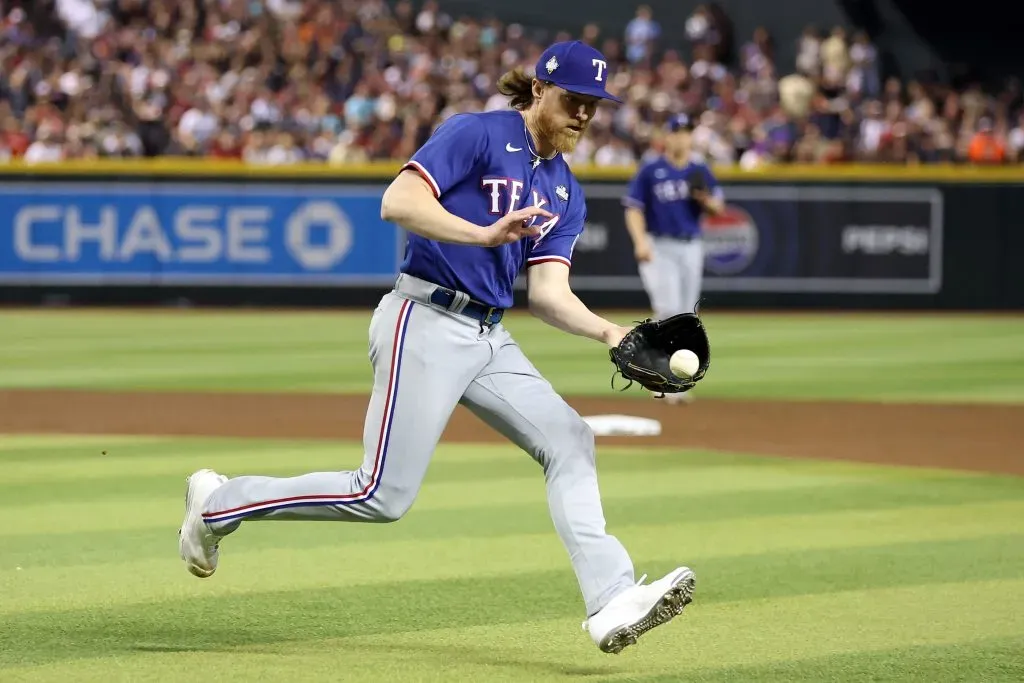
664	204
487	195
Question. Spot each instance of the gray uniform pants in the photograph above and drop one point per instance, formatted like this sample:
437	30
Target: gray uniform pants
672	278
426	360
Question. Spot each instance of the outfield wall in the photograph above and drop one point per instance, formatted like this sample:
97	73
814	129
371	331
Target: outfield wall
205	232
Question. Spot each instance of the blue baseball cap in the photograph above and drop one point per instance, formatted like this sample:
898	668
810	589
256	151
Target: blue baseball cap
680	122
576	67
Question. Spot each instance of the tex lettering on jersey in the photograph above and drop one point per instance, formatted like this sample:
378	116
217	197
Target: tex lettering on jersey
505	195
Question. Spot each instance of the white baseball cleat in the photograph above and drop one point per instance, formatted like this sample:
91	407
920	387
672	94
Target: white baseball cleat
197	544
638	609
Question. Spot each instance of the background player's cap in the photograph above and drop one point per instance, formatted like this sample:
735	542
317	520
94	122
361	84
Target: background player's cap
576	67
680	122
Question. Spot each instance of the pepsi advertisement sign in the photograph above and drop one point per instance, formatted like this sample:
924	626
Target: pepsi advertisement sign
731	241
195	233
785	239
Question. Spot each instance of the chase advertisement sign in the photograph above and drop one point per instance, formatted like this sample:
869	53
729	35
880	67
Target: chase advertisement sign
178	233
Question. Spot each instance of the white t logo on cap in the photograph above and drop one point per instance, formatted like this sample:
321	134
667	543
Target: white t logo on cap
601	66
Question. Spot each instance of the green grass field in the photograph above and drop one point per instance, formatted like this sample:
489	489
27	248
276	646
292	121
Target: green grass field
807	571
919	358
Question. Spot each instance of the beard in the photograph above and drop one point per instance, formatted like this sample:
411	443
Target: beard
561	137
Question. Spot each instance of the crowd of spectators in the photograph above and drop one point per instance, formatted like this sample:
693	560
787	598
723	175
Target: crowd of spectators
286	81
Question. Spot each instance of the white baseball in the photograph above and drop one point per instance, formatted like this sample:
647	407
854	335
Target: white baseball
684	363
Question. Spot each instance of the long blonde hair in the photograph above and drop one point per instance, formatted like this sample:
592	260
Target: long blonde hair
517	85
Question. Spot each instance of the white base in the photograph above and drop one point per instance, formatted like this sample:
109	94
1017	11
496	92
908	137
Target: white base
623	425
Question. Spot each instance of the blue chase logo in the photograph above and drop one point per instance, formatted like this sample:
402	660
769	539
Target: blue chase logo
731	241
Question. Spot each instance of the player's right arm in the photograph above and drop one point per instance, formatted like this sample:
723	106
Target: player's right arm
636	223
452	153
410	203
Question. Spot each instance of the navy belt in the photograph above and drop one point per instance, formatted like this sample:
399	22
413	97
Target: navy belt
486	315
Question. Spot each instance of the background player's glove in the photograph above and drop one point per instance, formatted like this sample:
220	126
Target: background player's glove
643	354
696	179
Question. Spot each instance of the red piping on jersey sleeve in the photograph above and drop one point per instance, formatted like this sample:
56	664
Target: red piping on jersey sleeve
545	259
425	174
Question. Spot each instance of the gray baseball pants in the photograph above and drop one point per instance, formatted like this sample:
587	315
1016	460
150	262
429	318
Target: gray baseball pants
426	360
673	276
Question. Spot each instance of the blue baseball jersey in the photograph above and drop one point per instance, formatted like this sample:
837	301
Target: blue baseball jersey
660	190
480	167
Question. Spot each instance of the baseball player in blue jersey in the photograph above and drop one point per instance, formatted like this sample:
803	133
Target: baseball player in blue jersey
487	195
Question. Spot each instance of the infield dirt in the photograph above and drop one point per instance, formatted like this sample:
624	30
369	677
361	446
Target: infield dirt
986	438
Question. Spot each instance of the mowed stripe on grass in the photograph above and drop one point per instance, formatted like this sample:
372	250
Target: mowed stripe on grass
801	566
